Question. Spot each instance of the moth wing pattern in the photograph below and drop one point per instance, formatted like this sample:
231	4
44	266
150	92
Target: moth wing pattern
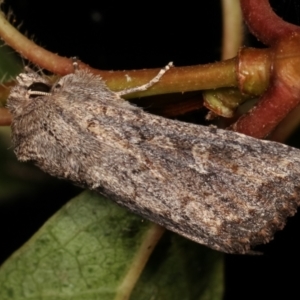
219	188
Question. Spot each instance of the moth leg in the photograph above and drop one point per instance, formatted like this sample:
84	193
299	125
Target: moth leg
144	87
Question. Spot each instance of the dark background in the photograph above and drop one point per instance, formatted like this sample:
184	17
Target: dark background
120	35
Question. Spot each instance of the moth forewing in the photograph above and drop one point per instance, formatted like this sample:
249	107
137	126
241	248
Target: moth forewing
219	188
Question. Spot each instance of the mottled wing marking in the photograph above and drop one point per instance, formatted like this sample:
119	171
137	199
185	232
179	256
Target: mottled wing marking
218	188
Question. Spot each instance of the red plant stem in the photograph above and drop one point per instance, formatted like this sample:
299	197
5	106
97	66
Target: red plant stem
268	112
5	117
264	23
283	94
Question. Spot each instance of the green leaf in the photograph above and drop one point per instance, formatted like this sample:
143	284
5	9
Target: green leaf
93	249
9	63
180	269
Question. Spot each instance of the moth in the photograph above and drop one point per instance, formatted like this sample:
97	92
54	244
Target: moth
219	188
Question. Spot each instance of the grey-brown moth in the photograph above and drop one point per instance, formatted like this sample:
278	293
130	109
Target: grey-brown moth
219	188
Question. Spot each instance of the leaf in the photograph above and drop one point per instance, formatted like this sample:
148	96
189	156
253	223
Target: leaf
9	63
93	249
181	269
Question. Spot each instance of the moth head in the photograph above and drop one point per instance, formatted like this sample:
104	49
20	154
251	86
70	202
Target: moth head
27	93
33	91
